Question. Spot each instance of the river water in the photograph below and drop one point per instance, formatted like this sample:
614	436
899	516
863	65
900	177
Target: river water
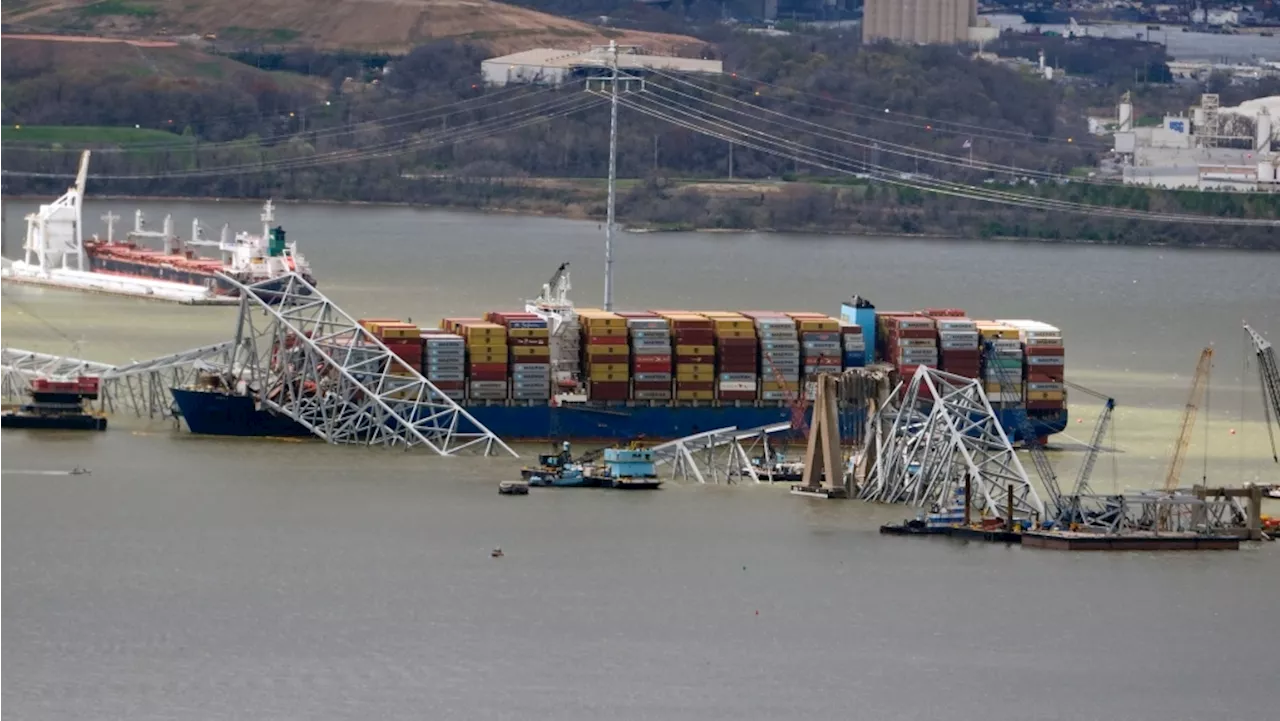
222	578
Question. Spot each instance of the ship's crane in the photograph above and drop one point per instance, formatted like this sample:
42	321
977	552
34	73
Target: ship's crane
1199	385
1030	440
555	292
1269	375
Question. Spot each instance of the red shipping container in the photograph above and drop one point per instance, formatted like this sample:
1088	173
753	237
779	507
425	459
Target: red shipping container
694	337
944	313
738	367
609	390
652	358
450	385
653	385
520	340
639	367
820	336
1046	350
607	340
826	361
487	375
488	367
1044	405
1043	378
694	359
912	333
695	385
737	395
736	342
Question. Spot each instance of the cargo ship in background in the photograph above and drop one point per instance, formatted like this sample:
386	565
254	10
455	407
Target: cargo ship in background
57	253
552	372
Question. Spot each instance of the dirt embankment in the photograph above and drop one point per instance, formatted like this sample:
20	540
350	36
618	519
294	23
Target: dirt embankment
377	25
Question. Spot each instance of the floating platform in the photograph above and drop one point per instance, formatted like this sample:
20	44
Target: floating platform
819	492
1069	541
514	488
912	528
115	285
38	421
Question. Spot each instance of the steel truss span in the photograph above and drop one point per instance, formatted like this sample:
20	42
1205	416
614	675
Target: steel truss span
939	429
303	357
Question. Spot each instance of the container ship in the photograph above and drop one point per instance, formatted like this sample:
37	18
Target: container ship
550	372
58	254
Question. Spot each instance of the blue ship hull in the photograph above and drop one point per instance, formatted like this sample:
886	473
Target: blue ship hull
215	413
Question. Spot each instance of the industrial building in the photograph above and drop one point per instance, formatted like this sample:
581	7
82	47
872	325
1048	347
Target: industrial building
1213	148
920	21
556	66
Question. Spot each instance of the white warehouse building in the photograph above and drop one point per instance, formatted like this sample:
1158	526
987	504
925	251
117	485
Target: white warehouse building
556	66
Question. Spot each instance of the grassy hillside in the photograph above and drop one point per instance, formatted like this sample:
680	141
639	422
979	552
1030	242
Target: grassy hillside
85	135
382	25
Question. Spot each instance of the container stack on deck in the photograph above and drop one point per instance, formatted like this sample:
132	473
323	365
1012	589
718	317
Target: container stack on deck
606	354
959	351
780	360
487	368
1045	356
530	354
820	349
737	351
652	356
852	346
907	341
1008	359
402	339
444	362
695	355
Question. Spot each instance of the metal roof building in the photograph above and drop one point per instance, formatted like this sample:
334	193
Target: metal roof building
555	66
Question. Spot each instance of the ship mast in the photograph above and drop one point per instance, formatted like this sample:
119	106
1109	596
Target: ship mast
613	175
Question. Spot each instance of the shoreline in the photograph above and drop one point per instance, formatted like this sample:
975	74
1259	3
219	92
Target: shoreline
638	229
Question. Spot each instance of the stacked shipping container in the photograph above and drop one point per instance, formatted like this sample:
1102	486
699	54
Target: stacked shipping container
852	346
779	354
444	362
606	355
907	341
959	350
737	355
695	355
528	343
1006	359
820	349
652	356
487	368
1045	357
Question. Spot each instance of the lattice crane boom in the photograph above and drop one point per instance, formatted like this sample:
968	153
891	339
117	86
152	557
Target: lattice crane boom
1269	375
1199	384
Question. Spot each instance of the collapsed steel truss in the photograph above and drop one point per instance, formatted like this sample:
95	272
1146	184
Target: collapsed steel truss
941	429
724	454
303	357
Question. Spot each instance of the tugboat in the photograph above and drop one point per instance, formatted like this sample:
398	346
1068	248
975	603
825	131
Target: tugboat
58	405
626	469
557	469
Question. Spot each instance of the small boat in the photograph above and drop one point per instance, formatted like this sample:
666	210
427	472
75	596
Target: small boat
78	471
496	553
570	476
514	488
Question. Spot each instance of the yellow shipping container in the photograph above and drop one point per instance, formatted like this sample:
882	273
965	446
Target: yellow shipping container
398	370
528	350
735	333
695	369
487	345
595	376
620	351
408	331
483	330
694	395
609	331
776	386
695	377
488	357
818	324
608	368
529	333
1046	396
990	330
695	350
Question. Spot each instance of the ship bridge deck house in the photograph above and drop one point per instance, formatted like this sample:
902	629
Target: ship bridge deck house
556	66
